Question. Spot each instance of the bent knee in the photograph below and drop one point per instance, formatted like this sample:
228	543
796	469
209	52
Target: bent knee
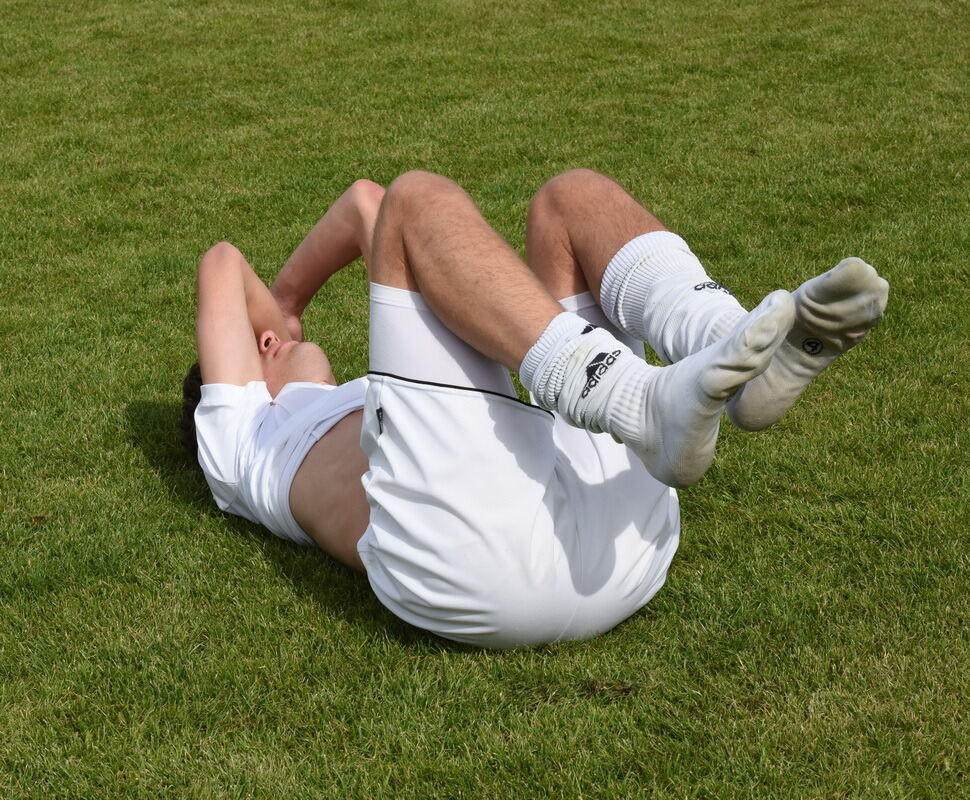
420	187
576	178
559	194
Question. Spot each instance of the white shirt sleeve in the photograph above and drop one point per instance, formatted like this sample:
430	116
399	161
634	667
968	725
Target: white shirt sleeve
223	420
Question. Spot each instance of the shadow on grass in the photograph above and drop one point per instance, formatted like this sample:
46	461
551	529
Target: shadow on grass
153	429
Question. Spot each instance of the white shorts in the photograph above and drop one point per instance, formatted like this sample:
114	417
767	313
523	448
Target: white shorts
493	522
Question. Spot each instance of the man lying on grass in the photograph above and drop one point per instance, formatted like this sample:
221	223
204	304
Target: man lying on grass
476	516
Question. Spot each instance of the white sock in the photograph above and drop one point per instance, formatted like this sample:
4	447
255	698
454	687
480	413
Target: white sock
656	289
543	369
669	416
833	313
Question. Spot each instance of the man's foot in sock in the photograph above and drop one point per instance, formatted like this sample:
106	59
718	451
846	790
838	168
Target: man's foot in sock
681	405
833	313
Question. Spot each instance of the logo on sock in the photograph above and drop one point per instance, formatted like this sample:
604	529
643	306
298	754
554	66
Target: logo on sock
587	329
812	346
712	285
597	369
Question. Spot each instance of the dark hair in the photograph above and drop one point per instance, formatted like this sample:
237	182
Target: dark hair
191	395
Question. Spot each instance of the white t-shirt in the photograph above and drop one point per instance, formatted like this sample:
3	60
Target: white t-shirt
251	445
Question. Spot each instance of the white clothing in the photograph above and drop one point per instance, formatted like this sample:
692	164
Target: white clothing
406	338
493	522
251	445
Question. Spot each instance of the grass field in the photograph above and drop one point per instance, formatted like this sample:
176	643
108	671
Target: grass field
812	639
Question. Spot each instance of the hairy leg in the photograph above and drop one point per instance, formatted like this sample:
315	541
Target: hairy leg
588	221
430	238
577	222
584	230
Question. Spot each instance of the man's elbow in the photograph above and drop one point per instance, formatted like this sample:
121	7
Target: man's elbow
220	252
367	196
217	264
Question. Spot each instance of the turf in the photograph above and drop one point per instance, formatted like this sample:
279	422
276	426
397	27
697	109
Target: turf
812	637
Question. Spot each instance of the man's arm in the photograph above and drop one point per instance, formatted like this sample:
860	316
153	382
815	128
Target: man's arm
234	307
344	233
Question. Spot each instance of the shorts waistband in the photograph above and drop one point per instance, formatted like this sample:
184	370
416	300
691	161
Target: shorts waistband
392	296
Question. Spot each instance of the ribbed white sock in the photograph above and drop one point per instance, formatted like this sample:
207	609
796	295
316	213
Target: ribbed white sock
656	289
543	369
833	313
669	416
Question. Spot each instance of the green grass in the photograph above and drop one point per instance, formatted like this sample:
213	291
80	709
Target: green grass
812	638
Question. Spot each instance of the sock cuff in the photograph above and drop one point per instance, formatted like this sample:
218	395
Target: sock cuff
563	326
636	268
